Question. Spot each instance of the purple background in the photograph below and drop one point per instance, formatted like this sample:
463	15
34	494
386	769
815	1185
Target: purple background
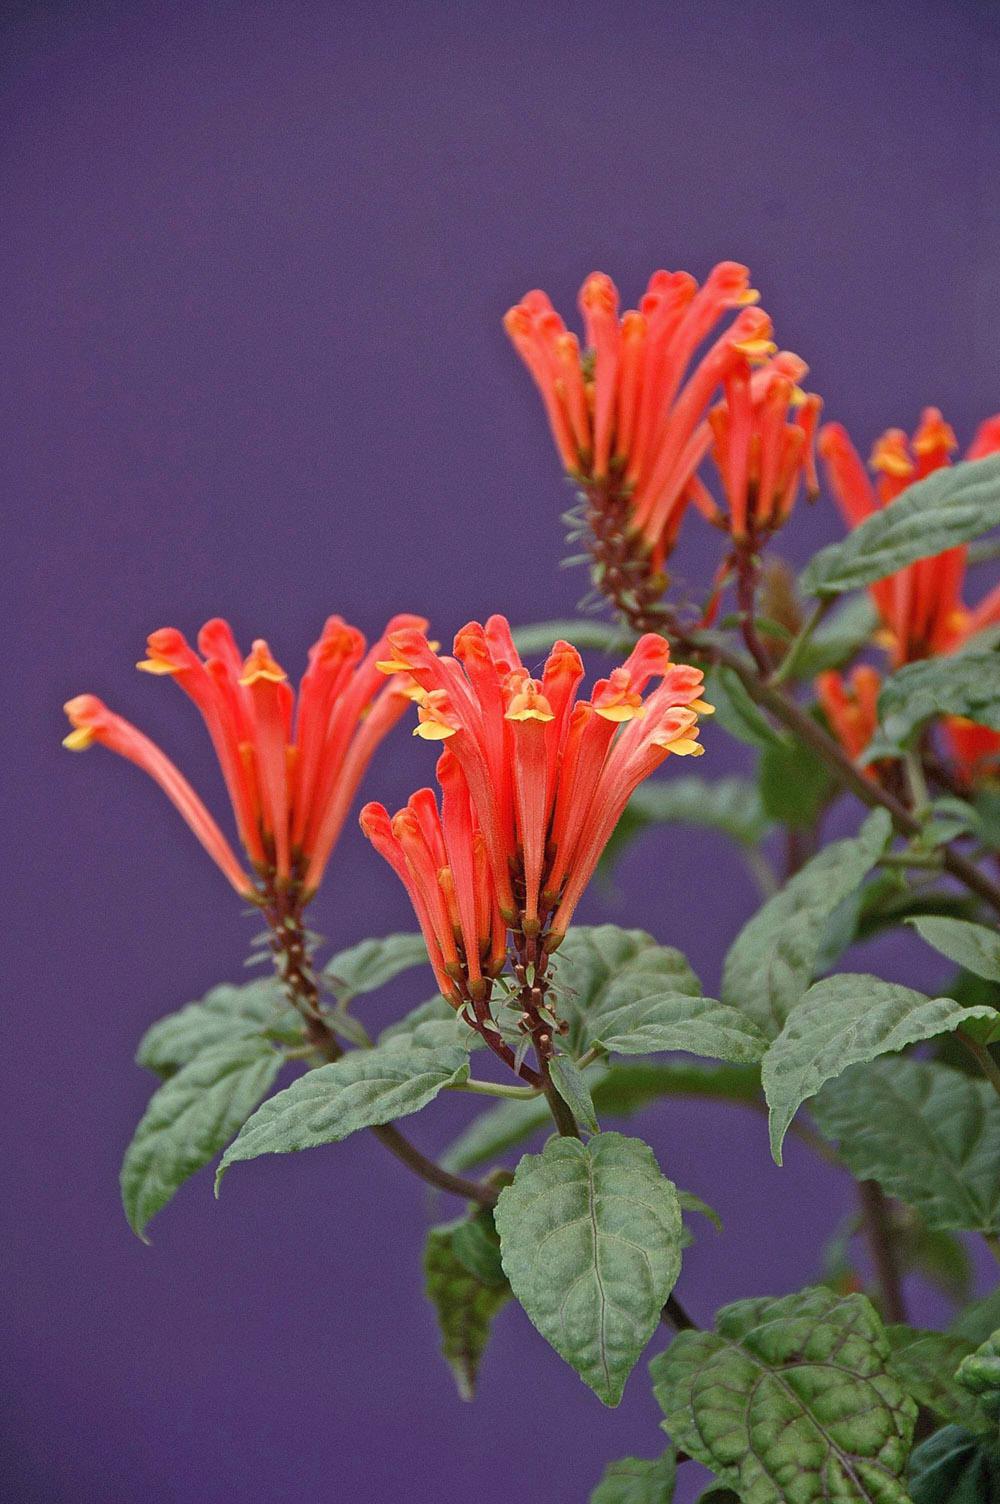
255	258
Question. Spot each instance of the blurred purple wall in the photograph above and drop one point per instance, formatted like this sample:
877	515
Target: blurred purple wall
255	257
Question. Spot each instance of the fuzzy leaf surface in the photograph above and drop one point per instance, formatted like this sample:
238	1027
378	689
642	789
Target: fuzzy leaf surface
360	1090
841	1021
965	684
929	1135
190	1118
590	1236
791	1401
226	1013
637	1017
973	946
371	963
771	962
593	959
465	1306
951	506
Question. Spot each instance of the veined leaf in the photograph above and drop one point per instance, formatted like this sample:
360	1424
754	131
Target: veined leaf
637	1017
842	1021
791	1400
618	1091
925	1364
590	1236
973	946
955	1466
572	1086
364	1088
979	1375
928	1134
223	1015
465	1306
371	963
771	962
741	716
584	632
730	805
965	684
951	506
633	1480
593	957
434	1011
190	1118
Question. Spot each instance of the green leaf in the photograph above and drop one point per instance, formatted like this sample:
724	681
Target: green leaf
189	1118
465	1306
842	1021
476	1244
965	684
569	1082
584	632
633	1480
955	1467
970	945
636	1017
979	1320
928	1134
925	1364
772	960
839	638
950	506
619	1091
729	805
223	1015
593	957
736	712
979	1375
364	1088
434	1011
371	963
591	1235
795	786
791	1401
689	1202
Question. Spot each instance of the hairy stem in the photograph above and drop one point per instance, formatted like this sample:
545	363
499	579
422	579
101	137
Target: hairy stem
292	964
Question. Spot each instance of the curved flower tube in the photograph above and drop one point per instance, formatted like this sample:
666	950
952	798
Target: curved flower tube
291	763
630	415
532	782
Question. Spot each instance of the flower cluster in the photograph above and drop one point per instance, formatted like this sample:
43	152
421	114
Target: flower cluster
291	764
632	417
533	781
921	608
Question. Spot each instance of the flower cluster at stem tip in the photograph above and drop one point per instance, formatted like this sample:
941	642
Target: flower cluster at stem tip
533	781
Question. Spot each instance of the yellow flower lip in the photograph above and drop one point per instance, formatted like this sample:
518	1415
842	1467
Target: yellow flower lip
619	713
79	739
156	666
434	731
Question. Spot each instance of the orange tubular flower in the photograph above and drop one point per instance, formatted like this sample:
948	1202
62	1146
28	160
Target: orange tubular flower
921	607
291	764
629	416
851	707
533	781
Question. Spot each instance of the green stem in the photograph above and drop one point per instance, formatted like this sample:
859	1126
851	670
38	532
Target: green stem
496	1089
789	664
930	861
878	1225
